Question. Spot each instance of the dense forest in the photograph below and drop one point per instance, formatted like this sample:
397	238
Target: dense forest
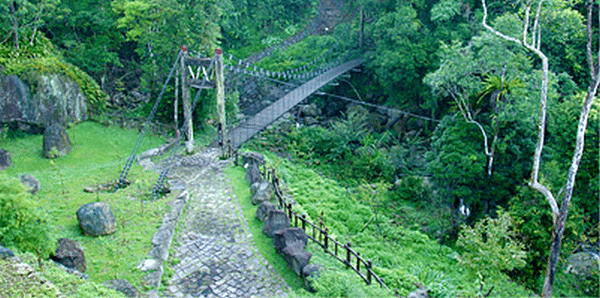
483	105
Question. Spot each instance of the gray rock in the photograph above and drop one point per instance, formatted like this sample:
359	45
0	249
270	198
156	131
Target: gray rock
57	99
262	212
96	219
6	253
253	157
5	160
310	110
123	286
311	272
70	254
296	257
56	141
264	193
254	187
418	293
582	263
289	236
276	220
32	184
310	121
253	174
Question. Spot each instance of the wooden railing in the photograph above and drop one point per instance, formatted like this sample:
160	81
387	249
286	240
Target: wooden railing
319	234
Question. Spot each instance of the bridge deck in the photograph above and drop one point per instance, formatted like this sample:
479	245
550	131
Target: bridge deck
252	126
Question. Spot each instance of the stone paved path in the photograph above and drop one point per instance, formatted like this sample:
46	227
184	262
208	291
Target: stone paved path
218	255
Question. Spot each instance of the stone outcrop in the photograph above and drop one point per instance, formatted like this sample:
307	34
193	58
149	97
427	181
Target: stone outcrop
6	253
123	286
56	141
5	160
253	158
276	220
264	193
96	219
57	99
31	183
296	257
582	263
70	254
253	174
262	212
291	244
289	236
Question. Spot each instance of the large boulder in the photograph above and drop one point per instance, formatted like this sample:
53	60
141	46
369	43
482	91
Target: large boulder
289	236
123	286
5	160
296	257
253	158
96	219
5	253
264	193
262	212
311	272
277	220
56	141
31	183
57	99
582	263
70	254
253	173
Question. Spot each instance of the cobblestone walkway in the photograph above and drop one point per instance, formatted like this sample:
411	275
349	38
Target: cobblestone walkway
218	255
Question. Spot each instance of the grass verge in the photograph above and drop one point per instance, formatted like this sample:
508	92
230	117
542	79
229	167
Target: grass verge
264	243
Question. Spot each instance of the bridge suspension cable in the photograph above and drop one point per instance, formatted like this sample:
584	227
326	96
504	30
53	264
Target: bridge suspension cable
120	182
169	160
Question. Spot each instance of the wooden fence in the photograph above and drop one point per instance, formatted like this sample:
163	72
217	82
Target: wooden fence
319	234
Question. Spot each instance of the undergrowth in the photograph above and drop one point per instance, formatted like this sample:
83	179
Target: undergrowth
404	257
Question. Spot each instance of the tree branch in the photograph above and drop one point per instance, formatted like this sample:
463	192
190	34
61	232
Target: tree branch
543	103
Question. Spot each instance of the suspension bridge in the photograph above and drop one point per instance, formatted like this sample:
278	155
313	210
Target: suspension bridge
203	73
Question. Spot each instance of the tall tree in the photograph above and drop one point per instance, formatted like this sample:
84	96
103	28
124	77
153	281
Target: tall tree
531	39
23	18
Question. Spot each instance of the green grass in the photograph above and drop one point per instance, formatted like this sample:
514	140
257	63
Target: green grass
36	285
264	243
402	255
99	153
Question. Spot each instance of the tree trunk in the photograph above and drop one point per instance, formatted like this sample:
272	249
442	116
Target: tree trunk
559	227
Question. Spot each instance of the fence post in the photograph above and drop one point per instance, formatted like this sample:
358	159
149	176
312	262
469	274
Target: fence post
369	266
304	222
348	245
326	237
357	261
289	207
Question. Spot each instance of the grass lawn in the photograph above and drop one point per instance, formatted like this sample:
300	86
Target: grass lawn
99	153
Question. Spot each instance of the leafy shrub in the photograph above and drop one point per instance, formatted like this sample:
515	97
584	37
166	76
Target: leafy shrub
22	225
490	247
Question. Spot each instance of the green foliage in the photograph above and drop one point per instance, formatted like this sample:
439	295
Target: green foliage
249	26
491	247
22	224
31	61
403	55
